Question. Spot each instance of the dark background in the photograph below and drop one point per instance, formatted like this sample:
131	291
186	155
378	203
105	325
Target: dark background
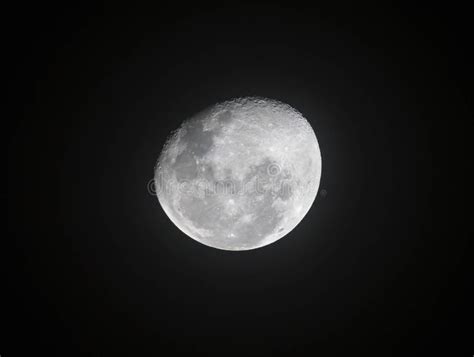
97	267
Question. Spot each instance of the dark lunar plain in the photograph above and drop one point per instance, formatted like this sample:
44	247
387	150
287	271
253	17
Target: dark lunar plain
94	267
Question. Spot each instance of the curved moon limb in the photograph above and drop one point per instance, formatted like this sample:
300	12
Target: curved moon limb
241	174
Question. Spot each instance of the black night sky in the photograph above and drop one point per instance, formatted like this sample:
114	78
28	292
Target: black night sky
97	267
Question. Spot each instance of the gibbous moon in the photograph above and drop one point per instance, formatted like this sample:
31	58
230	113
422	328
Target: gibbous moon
241	174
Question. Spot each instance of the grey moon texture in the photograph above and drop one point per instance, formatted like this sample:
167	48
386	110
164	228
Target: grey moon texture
240	174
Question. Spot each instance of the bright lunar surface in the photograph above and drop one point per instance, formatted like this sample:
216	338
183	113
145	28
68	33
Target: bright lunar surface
241	174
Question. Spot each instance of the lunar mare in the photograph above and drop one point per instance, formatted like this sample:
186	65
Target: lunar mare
241	174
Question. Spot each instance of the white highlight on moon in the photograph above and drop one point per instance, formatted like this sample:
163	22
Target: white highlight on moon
241	174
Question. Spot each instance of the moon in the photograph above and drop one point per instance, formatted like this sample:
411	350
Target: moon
240	174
